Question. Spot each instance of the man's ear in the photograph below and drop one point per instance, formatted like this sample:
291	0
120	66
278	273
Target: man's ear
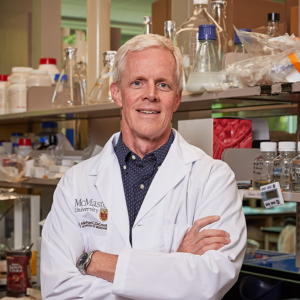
177	101
116	93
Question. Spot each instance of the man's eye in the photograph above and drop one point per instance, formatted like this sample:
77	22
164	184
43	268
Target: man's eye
137	83
163	85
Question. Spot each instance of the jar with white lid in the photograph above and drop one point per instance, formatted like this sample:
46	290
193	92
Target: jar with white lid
17	96
20	73
38	78
49	65
3	93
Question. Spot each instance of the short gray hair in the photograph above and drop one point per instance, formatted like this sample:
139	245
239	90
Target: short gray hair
144	41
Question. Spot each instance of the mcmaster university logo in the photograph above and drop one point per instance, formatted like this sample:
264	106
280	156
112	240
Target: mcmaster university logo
89	205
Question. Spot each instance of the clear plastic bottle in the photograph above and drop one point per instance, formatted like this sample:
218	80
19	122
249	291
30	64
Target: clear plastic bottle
205	73
295	172
239	47
273	24
263	165
101	90
187	34
147	25
282	164
224	42
71	92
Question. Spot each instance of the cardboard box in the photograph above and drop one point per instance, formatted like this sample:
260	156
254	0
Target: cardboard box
294	20
289	4
213	136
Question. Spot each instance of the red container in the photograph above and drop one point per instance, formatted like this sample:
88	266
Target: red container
18	272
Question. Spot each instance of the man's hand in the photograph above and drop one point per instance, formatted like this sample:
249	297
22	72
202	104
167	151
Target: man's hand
196	242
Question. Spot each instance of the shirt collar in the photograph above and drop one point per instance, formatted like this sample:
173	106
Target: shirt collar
123	152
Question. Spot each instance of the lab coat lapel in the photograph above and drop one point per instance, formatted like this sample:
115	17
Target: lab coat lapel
171	172
110	186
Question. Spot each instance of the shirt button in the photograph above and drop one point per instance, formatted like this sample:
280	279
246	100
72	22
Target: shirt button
142	186
133	157
124	167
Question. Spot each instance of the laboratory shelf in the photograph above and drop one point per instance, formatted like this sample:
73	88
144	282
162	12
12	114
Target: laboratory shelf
287	196
284	93
30	183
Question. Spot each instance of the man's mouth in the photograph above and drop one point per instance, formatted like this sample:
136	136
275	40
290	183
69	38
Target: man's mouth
149	112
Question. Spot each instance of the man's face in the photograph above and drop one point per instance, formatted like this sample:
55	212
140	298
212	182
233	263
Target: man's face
148	92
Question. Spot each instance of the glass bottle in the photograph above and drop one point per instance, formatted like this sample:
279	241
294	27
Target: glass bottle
205	73
295	172
239	47
82	71
147	25
263	165
224	42
70	91
282	164
187	34
101	90
273	24
170	30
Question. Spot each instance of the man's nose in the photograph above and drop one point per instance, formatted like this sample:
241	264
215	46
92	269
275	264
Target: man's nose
150	92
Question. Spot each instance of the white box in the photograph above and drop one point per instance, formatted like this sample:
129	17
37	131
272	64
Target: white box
59	169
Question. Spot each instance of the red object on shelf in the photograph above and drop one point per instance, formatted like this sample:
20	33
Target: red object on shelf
3	77
231	133
24	142
47	61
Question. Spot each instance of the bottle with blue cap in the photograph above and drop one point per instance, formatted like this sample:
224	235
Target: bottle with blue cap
69	89
187	33
239	47
205	74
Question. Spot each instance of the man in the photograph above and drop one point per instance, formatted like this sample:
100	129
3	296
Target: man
150	216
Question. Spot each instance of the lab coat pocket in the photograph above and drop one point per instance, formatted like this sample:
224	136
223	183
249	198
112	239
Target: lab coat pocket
173	236
96	241
148	238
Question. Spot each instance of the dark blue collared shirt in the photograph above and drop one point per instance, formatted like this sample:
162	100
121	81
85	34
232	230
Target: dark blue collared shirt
137	174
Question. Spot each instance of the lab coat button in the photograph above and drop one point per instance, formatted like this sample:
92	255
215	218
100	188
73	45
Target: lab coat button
142	186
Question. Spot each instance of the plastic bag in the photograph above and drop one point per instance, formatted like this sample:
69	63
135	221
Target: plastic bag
13	167
263	70
258	44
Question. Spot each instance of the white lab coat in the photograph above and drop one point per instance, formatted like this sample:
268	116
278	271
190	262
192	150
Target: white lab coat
188	186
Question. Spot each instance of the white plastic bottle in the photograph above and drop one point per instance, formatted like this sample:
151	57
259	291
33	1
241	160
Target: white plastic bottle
263	165
49	65
17	96
20	73
38	78
24	147
3	93
282	164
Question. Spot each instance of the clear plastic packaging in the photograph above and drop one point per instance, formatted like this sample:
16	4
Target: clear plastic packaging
187	34
295	172
239	47
282	164
69	92
13	166
101	90
224	42
205	74
263	165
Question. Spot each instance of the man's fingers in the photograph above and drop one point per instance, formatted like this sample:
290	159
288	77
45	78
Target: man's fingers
213	240
203	222
210	247
206	233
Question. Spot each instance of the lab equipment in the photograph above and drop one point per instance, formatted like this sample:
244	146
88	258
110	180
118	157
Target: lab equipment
20	73
101	90
263	165
17	95
273	24
170	30
147	25
239	47
271	195
69	92
282	164
204	76
24	147
3	93
187	34
295	172
224	42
